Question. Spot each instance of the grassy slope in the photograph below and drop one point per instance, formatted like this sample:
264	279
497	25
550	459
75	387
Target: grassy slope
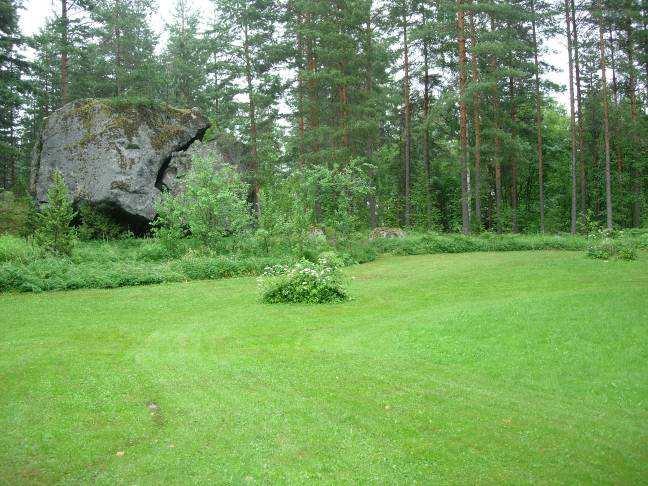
527	366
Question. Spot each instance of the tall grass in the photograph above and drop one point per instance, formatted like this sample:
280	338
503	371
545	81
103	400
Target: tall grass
24	267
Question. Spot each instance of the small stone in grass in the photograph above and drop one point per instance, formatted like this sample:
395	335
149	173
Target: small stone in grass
120	453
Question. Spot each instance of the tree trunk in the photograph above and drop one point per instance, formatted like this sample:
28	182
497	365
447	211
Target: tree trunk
118	59
426	129
632	88
498	143
572	125
64	51
313	123
406	121
514	165
300	93
606	122
538	119
619	119
476	121
371	199
254	159
463	121
579	114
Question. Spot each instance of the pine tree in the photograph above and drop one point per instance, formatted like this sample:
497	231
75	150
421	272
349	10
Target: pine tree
185	59
12	89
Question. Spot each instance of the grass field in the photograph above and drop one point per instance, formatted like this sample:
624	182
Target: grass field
489	367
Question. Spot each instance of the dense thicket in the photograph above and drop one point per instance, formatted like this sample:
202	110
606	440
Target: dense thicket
445	107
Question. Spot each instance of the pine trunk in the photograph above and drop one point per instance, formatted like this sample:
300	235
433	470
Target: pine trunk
64	51
406	123
632	88
538	119
254	159
606	122
514	161
579	115
572	125
476	121
463	119
498	143
300	92
371	199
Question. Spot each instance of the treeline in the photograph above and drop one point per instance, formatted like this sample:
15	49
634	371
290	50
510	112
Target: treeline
444	106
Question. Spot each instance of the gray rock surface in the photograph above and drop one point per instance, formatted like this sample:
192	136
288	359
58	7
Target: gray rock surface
116	154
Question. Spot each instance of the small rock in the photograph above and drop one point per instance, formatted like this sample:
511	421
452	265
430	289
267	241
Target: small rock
119	453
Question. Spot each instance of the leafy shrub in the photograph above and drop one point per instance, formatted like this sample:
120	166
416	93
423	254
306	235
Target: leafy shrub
17	250
626	250
154	251
602	250
197	267
54	232
16	214
212	207
642	241
303	282
97	225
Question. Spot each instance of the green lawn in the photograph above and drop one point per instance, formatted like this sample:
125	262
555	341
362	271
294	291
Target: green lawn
480	367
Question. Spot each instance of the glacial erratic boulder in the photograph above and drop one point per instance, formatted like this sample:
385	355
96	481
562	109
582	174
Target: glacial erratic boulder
117	154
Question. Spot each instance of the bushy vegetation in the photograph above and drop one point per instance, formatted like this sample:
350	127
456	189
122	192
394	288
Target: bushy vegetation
27	267
429	243
97	225
623	247
54	222
212	208
206	232
14	249
304	282
16	214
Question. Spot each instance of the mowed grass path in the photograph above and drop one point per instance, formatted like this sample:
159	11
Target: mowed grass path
490	367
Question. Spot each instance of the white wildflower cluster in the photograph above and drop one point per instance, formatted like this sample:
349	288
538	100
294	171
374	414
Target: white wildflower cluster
302	282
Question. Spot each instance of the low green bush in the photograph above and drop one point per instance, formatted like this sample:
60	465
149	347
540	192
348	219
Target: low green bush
17	250
430	243
96	224
602	249
304	282
26	267
642	241
626	250
54	231
16	214
154	251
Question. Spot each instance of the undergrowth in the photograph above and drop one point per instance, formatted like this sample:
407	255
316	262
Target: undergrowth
25	267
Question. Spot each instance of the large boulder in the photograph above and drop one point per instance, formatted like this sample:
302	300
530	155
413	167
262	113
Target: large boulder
118	155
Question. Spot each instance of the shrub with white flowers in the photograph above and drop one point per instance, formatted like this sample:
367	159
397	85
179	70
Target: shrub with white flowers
303	282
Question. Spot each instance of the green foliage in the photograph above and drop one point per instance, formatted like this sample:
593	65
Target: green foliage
626	250
602	250
339	190
606	248
212	208
304	282
17	250
16	214
54	232
97	225
428	243
26	267
154	251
